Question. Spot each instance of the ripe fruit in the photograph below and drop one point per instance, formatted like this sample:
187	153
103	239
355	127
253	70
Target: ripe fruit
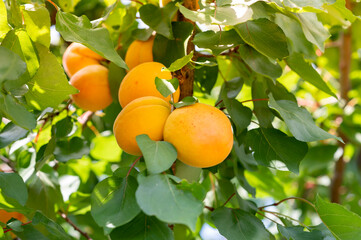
139	52
6	216
140	82
77	56
202	135
92	82
146	115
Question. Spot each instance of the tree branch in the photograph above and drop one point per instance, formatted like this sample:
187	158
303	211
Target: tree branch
65	217
345	85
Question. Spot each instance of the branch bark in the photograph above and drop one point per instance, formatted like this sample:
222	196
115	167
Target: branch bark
345	85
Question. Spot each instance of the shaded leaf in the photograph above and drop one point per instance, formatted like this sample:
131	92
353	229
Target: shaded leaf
74	148
11	65
297	233
11	133
49	228
13	186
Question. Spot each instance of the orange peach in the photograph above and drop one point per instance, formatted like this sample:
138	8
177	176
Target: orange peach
139	52
92	83
78	56
140	82
146	115
6	216
202	135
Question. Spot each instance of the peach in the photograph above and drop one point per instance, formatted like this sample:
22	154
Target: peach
139	52
146	115
78	56
202	135
92	83
6	216
140	82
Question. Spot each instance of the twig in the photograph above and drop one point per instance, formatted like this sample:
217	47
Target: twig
209	208
65	217
286	199
52	3
8	162
229	199
267	217
131	167
255	100
277	214
136	1
219	102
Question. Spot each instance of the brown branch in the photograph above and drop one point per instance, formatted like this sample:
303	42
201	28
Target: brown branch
52	3
229	199
209	208
65	217
287	199
345	85
131	167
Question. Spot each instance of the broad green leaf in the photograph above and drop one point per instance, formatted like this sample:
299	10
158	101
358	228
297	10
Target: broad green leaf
63	127
30	232
14	13
115	77
313	29
297	41
45	153
74	148
13	186
206	77
236	224
177	206
338	13
4	27
179	63
79	29
309	5
143	227
343	223
158	155
37	23
231	88
49	228
304	69
261	109
11	65
113	202
247	159
105	148
44	194
190	100
217	41
167	51
68	5
159	19
166	87
259	63
1	232
15	225
240	115
19	42
11	133
49	87
318	159
17	113
264	35
326	234
184	171
221	15
121	18
299	121
271	144
297	233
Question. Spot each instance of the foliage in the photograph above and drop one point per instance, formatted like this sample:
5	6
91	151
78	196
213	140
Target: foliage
271	66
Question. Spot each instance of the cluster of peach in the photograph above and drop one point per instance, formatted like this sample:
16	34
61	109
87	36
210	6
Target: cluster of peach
202	134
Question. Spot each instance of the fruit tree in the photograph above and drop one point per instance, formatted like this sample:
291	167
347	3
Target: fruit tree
183	119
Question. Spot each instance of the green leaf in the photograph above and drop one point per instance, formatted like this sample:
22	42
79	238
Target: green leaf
143	227
177	206
167	51
261	109
115	77
230	14
247	159
218	41
205	77
326	234
240	115
37	23
158	155
11	133
304	69
79	29
270	144
232	87
113	202
159	19
68	5
190	100
13	186
15	225
297	41
259	63
74	148
297	233
44	194
4	27
264	35
11	65
49	228
166	87
63	127
14	13
179	63
16	112
343	223
318	159
299	121
49	87
313	29
105	148
236	224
